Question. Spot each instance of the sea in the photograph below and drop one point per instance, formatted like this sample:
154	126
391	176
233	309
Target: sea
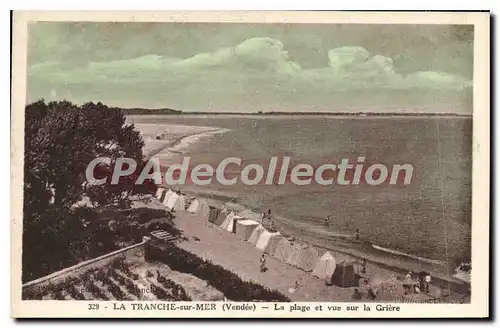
429	218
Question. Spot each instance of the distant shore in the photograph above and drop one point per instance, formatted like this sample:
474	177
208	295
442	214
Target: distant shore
281	114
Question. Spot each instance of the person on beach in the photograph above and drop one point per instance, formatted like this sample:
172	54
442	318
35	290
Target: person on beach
327	222
421	280
363	267
357	234
268	214
293	289
263	263
371	293
427	282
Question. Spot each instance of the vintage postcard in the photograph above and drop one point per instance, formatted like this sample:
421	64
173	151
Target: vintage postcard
250	164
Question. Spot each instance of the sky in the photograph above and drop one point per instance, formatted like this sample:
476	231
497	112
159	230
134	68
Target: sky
226	67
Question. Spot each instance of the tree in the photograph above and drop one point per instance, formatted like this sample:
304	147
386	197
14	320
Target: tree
61	139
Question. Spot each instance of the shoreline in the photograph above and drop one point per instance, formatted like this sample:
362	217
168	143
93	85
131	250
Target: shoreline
396	261
305	115
177	140
227	249
393	259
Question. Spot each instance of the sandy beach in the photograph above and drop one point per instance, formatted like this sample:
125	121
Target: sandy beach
210	242
171	138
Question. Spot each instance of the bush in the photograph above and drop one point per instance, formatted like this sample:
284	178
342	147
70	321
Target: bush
96	292
115	291
75	294
223	280
132	288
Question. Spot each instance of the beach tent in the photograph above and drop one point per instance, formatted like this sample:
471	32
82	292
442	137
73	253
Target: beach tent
308	258
199	207
244	228
325	267
296	250
214	213
344	275
163	195
180	204
273	243
283	250
224	224
171	201
250	215
159	193
204	210
232	225
167	196
221	217
264	238
194	207
229	223
254	237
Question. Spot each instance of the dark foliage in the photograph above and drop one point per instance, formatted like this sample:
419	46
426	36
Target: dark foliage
223	280
61	139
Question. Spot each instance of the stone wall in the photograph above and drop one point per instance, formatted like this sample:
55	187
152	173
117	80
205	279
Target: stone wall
136	250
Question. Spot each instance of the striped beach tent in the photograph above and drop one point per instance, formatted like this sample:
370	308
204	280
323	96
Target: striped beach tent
308	258
213	213
171	201
282	250
180	204
254	237
204	211
230	222
221	217
159	193
273	243
244	228
325	267
264	238
167	196
194	207
296	252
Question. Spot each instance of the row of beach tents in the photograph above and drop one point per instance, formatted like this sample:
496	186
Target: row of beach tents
248	225
178	202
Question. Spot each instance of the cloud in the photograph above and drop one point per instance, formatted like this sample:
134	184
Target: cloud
257	72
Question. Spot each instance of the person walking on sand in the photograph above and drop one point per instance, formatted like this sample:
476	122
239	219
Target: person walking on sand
427	282
273	227
356	295
363	267
357	234
263	263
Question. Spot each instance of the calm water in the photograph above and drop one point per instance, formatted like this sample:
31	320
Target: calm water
411	218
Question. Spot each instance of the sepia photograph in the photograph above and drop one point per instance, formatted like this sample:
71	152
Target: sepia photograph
257	164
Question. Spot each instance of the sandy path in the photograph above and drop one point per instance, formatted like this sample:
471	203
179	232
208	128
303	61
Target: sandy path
242	258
